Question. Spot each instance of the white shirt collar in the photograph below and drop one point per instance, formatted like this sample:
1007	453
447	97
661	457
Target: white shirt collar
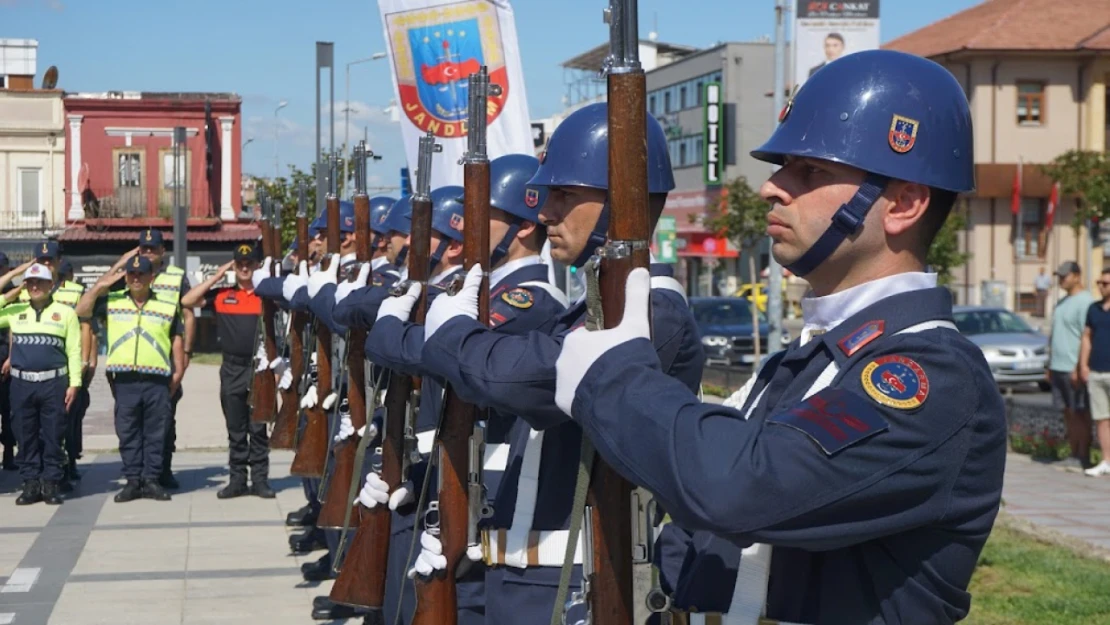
822	314
497	275
376	263
439	277
347	258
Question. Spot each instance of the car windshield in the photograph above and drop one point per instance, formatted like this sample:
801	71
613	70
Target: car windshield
724	312
990	321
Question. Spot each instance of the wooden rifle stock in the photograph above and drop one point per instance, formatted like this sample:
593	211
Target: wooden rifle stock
285	427
264	387
436	595
361	581
334	506
312	449
610	596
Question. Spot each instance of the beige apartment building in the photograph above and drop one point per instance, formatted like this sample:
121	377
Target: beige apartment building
1036	75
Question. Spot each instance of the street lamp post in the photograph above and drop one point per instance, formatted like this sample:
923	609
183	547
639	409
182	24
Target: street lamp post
280	106
347	106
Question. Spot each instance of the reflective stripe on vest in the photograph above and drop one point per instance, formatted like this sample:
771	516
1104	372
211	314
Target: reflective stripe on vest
139	339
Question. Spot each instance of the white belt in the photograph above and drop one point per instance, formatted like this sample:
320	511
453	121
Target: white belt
545	548
39	376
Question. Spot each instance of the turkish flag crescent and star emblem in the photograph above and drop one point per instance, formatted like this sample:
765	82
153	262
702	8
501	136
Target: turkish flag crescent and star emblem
903	133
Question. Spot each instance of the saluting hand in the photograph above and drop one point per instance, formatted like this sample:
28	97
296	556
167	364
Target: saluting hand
71	395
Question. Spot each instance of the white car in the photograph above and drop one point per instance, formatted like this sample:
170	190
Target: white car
1016	352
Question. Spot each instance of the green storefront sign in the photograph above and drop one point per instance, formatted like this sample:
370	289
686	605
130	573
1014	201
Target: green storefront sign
665	233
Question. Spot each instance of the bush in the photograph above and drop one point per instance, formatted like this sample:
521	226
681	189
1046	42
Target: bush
1042	445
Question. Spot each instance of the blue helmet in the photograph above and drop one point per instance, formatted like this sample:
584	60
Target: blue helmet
399	217
868	110
346	220
318	224
379	208
508	186
577	154
447	212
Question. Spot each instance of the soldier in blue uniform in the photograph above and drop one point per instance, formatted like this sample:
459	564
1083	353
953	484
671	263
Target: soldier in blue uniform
862	471
516	375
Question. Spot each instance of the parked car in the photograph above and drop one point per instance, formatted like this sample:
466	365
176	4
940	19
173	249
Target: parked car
725	324
1016	352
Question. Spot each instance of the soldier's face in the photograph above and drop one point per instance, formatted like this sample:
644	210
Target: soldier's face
38	290
51	263
570	214
396	243
139	283
244	268
153	252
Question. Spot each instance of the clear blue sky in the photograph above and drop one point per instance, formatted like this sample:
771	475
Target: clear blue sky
264	51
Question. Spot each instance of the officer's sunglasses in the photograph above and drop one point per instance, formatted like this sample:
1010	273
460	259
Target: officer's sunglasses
35	283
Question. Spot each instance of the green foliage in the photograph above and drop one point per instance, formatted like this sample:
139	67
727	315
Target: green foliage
716	391
1021	581
1084	174
283	192
945	255
742	214
1042	445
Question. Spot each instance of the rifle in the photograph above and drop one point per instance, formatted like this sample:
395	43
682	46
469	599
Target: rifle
312	449
285	427
454	517
263	386
608	589
336	502
361	581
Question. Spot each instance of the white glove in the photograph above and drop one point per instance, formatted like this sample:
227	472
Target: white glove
329	401
400	307
344	289
463	303
286	379
431	556
374	491
346	428
327	276
279	365
262	272
309	399
401	496
582	348
294	281
261	361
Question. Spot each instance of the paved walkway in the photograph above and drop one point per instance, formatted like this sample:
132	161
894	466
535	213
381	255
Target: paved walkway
1064	500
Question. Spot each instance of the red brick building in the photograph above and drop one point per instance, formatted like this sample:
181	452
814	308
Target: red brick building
120	178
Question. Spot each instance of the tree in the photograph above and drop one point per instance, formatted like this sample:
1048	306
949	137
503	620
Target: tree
1086	175
742	217
944	254
283	193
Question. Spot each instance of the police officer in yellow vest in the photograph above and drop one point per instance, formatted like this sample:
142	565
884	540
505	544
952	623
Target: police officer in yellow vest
45	367
69	293
145	365
170	285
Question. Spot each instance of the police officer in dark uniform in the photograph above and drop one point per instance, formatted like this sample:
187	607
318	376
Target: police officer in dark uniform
516	375
238	310
862	470
7	435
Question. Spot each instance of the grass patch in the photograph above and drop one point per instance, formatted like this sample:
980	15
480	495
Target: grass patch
215	358
713	389
1023	581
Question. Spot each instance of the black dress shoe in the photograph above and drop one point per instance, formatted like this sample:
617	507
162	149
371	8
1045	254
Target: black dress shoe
32	493
323	600
167	480
50	493
261	488
331	611
152	489
309	541
300	518
235	489
318	571
132	490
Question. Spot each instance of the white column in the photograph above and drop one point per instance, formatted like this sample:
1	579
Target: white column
76	210
227	209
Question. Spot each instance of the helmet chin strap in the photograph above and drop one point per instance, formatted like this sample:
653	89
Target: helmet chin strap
502	248
597	238
437	255
847	221
400	260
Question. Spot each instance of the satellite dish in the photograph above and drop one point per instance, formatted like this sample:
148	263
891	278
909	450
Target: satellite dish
50	79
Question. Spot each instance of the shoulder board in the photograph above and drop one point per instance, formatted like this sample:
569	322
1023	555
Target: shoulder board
551	290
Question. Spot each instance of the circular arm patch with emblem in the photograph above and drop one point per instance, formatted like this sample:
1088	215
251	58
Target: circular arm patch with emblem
519	298
895	381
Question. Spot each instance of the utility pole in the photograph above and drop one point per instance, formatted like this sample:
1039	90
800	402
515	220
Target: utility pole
774	280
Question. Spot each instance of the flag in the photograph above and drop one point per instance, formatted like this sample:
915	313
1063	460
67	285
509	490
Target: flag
434	46
1053	201
1015	199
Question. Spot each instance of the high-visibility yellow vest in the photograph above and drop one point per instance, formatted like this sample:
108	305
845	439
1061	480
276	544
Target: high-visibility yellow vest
44	340
68	293
167	285
140	340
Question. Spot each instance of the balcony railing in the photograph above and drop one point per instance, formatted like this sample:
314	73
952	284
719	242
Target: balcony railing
143	203
15	224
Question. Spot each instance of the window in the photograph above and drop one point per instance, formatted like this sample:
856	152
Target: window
130	170
30	192
681	98
1030	103
3	82
682	153
686	151
667	102
170	180
1031	241
698	88
651	105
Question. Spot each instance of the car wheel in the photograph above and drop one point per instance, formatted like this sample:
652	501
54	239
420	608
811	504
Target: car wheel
1044	386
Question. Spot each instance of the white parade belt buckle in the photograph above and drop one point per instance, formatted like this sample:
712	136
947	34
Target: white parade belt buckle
39	376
